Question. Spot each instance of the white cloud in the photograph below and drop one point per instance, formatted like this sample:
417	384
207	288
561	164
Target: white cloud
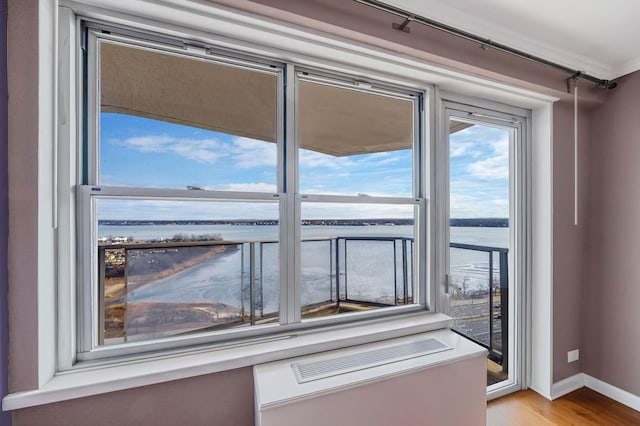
201	150
500	146
501	202
386	161
466	149
466	185
244	153
457	150
249	153
496	166
356	211
380	159
313	159
461	202
251	187
241	152
185	210
477	205
490	168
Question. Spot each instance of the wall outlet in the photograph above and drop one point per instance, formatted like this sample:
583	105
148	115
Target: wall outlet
573	355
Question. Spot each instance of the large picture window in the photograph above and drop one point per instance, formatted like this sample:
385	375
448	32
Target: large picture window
209	210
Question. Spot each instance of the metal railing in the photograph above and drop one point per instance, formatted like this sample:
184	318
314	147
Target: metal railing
402	249
344	270
497	325
250	273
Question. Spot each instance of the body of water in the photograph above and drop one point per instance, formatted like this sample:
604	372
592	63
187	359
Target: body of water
371	266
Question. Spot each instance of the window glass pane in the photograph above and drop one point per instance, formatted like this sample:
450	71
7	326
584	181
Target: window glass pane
355	143
480	229
168	268
168	121
356	257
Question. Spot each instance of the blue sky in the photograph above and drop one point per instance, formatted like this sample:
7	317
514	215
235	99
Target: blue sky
479	170
148	153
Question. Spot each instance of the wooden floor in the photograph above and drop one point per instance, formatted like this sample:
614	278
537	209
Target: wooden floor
583	407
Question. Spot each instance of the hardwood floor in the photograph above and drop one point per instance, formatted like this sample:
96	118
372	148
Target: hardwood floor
583	407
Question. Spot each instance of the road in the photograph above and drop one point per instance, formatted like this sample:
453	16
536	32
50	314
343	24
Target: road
472	319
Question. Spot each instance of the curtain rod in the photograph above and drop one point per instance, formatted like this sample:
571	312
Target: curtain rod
485	43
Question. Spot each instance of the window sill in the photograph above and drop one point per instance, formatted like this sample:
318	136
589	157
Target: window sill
85	381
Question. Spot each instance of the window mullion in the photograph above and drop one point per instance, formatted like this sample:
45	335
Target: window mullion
87	295
422	192
92	122
290	227
87	314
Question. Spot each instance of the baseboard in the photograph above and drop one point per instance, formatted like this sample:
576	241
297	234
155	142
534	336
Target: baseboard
617	394
567	385
573	383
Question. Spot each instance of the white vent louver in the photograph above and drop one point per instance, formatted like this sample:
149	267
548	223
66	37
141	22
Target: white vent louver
314	370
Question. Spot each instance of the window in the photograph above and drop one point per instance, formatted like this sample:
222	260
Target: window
357	183
209	211
486	153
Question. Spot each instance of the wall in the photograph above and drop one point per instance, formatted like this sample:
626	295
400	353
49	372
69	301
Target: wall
365	24
4	212
611	326
217	399
569	240
22	58
227	397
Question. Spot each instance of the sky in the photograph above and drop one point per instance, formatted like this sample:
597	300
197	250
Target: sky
479	172
140	152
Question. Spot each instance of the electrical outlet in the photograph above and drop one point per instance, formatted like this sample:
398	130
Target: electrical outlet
573	355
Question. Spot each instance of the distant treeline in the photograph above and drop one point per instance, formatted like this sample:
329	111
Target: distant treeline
474	222
490	222
122	222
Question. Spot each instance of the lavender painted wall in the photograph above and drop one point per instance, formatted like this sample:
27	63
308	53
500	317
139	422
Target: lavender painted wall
22	81
217	399
5	418
436	45
365	24
611	328
569	240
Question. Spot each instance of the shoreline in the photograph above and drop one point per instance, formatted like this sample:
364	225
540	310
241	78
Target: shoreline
211	253
114	287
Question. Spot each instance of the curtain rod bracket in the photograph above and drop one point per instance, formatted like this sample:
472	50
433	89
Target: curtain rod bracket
607	84
404	26
576	75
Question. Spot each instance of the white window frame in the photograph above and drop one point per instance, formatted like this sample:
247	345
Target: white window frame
518	121
89	193
419	199
59	377
287	196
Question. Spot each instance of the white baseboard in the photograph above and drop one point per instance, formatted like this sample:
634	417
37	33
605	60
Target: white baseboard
617	394
567	385
572	383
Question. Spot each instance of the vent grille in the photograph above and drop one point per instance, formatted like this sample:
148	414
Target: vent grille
307	372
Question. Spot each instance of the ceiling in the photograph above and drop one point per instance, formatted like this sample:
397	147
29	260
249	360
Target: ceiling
596	37
338	121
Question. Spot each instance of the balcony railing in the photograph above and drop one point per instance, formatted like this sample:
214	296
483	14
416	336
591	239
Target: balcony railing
146	291
479	298
131	276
